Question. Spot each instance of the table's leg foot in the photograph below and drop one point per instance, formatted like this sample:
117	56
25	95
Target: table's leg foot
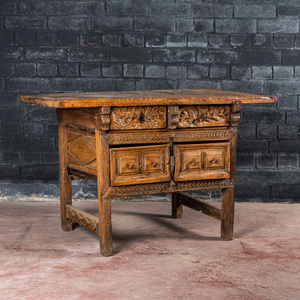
176	206
227	213
105	227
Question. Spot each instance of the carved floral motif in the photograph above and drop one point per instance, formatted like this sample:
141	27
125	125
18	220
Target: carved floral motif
138	117
203	116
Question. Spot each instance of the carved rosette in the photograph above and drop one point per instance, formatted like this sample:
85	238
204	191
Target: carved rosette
203	116
148	117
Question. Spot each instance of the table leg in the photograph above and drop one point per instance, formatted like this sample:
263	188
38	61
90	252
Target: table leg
227	213
65	179
176	206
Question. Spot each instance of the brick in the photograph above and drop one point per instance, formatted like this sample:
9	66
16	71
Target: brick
40	114
166	25
198	84
88	54
266	162
252	193
218	40
290	11
31	158
297	42
218	71
90	70
47	69
200	26
11	54
68	38
112	23
82	8
282	87
28	85
258	57
287	161
113	40
2	84
297	72
131	55
39	8
155	71
286	192
25	22
249	86
277	26
262	72
12	128
155	84
245	162
34	129
88	39
47	173
25	37
176	41
50	158
246	131
284	101
11	172
186	25
198	71
289	132
112	84
265	117
250	146
26	69
168	10
262	41
174	55
257	11
284	146
7	69
46	54
241	73
267	131
293	117
291	57
133	70
7	37
10	158
283	72
112	70
70	23
134	39
155	40
197	40
127	8
8	8
217	57
6	143
70	84
33	144
284	41
176	72
240	40
47	38
69	69
212	11
236	26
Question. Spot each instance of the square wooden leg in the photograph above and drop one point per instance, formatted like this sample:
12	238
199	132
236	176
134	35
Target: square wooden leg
176	206
227	213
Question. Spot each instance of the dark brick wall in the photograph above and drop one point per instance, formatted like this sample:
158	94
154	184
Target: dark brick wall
69	46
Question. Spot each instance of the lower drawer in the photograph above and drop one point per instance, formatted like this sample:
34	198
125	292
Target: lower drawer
202	161
135	165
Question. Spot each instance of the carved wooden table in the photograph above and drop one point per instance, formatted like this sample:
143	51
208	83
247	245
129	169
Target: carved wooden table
147	142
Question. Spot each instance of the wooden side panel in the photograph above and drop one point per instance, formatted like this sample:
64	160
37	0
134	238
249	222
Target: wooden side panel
149	117
202	161
204	116
133	165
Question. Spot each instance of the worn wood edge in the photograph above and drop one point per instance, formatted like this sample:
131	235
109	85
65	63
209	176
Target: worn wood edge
83	218
199	205
157	188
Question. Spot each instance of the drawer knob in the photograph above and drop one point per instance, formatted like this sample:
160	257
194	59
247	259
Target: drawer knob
130	166
154	164
193	163
214	161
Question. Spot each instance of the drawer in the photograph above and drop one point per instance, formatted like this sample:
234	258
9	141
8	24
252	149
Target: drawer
134	165
144	117
204	116
202	161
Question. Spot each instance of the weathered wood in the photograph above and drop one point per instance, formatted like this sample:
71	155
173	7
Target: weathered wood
199	205
104	204
176	206
65	178
144	98
83	218
227	213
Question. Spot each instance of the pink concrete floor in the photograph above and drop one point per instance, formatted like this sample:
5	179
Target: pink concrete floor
155	257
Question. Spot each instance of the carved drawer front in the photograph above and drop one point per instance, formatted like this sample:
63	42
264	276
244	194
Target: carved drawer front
144	117
204	116
202	161
134	165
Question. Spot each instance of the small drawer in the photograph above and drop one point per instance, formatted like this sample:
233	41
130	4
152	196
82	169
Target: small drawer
134	165
144	117
202	161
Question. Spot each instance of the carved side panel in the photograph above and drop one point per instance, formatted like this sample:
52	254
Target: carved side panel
144	117
204	116
173	116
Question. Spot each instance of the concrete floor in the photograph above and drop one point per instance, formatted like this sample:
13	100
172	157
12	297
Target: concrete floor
156	257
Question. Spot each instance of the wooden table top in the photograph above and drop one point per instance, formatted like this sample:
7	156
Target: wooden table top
143	98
